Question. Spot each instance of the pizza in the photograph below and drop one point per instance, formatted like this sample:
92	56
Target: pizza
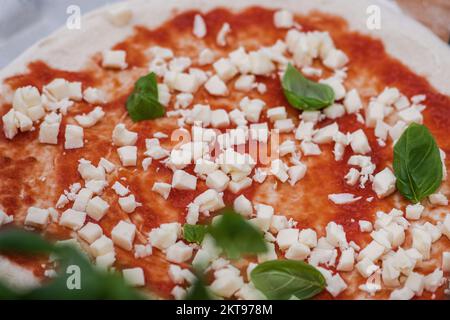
327	139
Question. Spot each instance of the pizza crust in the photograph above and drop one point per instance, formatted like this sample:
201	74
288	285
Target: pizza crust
404	38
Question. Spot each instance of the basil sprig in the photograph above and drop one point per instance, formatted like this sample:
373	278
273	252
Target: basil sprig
417	163
143	103
284	279
235	235
194	233
303	93
94	284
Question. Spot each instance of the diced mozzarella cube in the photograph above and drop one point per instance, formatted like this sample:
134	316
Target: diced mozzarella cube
283	19
134	277
438	199
206	56
252	108
335	59
296	173
298	251
414	211
310	148
120	189
96	208
199	29
221	38
179	252
384	183
415	282
123	137
183	181
389	96
123	235
36	217
421	242
73	137
217	180
284	125
335	235
243	206
305	131
219	118
245	83
259	132
366	267
326	134
336	110
402	294
238	186
397	130
82	199
434	280
373	251
411	115
72	219
210	200
352	101
90	232
216	87
225	69
365	226
264	213
347	260
94	96
337	86
287	237
374	113
162	188
114	59
308	237
260	63
101	246
359	142
270	254
107	165
128	204
128	155
277	113
279	169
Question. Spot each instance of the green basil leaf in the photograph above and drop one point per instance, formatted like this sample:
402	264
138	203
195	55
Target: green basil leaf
282	279
199	290
21	241
194	233
236	236
417	163
143	103
303	93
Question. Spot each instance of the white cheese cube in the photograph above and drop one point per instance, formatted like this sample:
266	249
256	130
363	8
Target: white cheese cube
193	213
438	199
359	142
411	115
123	235
264	213
121	136
335	59
134	277
179	252
365	226
366	267
97	208
337	86
221	38
199	29
384	183
260	63
94	96
114	59
434	280
352	101
184	82
82	199
105	261
259	132
277	113
283	19
96	186
162	188
219	118
206	56
72	219
397	130
297	251
335	285
270	254
414	211
101	246
287	237
310	148
36	217
90	232
241	60
210	200
402	294
422	242
304	131
183	181
107	165
296	173
128	155
243	206
252	108
326	134
415	282
120	189
217	180
388	96
308	237
225	69
287	147
347	260
445	226
245	83
352	177
128	204
73	137
278	223
216	87
374	113
162	237
335	235
279	169
238	186
373	251
284	125
336	110
225	286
